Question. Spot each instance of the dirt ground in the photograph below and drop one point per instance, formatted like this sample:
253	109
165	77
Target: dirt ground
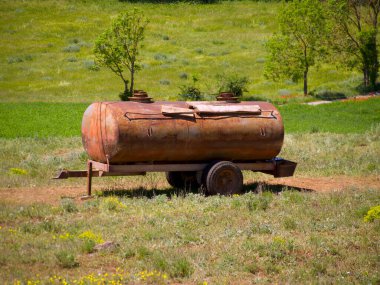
53	195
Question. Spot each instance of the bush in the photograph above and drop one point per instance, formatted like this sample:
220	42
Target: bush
91	65
259	202
68	205
234	83
190	93
124	96
373	214
66	259
183	75
72	48
181	267
164	82
88	246
112	204
328	95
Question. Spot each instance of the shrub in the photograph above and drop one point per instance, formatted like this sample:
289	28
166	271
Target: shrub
125	95
372	214
91	65
72	48
261	202
164	82
234	83
181	267
88	246
18	171
66	259
190	93
89	235
328	95
183	75
112	204
68	205
160	56
72	59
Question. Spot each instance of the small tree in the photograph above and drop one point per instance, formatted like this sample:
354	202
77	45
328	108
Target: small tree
354	35
118	47
300	43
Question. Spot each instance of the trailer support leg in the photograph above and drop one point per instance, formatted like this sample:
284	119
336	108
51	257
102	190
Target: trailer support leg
89	181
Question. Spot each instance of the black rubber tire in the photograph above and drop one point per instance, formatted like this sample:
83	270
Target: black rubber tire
182	179
224	178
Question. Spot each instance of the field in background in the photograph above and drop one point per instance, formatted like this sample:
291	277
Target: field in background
64	119
46	51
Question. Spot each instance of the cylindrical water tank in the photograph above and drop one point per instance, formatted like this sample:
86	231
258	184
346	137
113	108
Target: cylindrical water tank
163	132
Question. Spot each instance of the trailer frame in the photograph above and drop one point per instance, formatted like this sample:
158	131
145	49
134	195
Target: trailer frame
277	167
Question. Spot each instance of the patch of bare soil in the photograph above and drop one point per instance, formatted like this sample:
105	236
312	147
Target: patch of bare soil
325	184
53	195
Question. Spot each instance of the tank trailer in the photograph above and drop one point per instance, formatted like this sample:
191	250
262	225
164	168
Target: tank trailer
205	143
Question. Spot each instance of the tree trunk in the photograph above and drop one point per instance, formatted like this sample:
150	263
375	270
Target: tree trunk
126	87
374	65
365	76
370	61
305	82
132	78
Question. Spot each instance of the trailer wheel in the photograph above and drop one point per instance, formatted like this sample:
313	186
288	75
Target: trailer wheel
224	178
182	179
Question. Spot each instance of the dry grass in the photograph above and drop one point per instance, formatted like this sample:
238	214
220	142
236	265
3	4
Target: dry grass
256	238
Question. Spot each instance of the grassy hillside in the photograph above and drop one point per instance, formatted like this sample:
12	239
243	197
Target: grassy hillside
46	50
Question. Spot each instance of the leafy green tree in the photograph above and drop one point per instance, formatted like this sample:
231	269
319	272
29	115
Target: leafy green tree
300	43
354	35
118	47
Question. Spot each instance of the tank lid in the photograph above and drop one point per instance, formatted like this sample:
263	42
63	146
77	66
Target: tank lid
140	96
228	97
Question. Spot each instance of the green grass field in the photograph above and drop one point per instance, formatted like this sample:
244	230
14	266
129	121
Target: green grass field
46	51
64	119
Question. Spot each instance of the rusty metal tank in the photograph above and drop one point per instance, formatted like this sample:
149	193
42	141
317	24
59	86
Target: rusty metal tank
141	131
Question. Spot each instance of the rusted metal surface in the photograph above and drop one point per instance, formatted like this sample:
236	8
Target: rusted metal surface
225	183
284	168
227	97
65	174
131	132
140	96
